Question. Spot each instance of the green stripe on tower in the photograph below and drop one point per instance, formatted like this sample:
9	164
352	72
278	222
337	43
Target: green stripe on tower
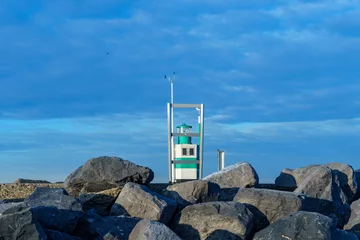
186	165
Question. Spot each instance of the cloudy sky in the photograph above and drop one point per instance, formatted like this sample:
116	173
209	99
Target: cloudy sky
280	81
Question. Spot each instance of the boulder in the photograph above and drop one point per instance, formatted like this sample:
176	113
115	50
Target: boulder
269	206
303	226
213	220
192	192
239	175
32	231
101	203
138	201
93	226
21	180
52	218
53	197
347	178
344	173
102	173
353	224
322	183
10	222
6	208
151	230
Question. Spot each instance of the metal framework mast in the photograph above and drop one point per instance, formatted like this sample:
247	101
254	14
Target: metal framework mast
171	135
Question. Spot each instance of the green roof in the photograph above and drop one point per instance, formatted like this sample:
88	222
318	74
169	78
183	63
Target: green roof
184	126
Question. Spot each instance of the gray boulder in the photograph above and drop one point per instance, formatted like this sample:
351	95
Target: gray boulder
322	183
269	206
347	178
138	201
344	174
6	208
192	192
353	224
32	231
303	226
239	175
102	173
101	203
52	197
151	230
92	226
61	220
213	220
9	223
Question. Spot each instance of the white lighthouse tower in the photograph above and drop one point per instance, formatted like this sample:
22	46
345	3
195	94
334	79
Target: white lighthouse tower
186	151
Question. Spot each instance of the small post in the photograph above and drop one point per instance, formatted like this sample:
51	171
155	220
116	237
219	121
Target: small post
221	159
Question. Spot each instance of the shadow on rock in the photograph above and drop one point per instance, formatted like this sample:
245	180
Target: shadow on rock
222	235
336	210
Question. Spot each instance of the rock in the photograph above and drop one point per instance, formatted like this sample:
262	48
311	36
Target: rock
343	172
347	178
6	208
303	226
55	235
192	192
213	220
101	203
357	178
55	197
10	222
31	231
353	224
92	226
151	230
322	183
138	201
102	173
239	175
21	180
269	206
52	218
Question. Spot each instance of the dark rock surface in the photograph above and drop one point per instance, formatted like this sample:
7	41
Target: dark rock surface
213	220
101	203
138	201
54	197
102	173
9	223
92	226
304	226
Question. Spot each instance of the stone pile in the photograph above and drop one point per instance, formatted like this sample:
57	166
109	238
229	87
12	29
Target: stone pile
110	198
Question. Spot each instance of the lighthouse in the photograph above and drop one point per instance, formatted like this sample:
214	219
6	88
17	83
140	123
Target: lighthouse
185	150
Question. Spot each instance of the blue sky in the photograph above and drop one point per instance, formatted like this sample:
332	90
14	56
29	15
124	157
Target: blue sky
279	80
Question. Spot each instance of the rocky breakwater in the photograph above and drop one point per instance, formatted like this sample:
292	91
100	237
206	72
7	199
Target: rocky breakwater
110	198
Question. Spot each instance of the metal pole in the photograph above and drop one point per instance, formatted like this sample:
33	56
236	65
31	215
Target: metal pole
172	127
222	154
201	140
169	142
218	158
